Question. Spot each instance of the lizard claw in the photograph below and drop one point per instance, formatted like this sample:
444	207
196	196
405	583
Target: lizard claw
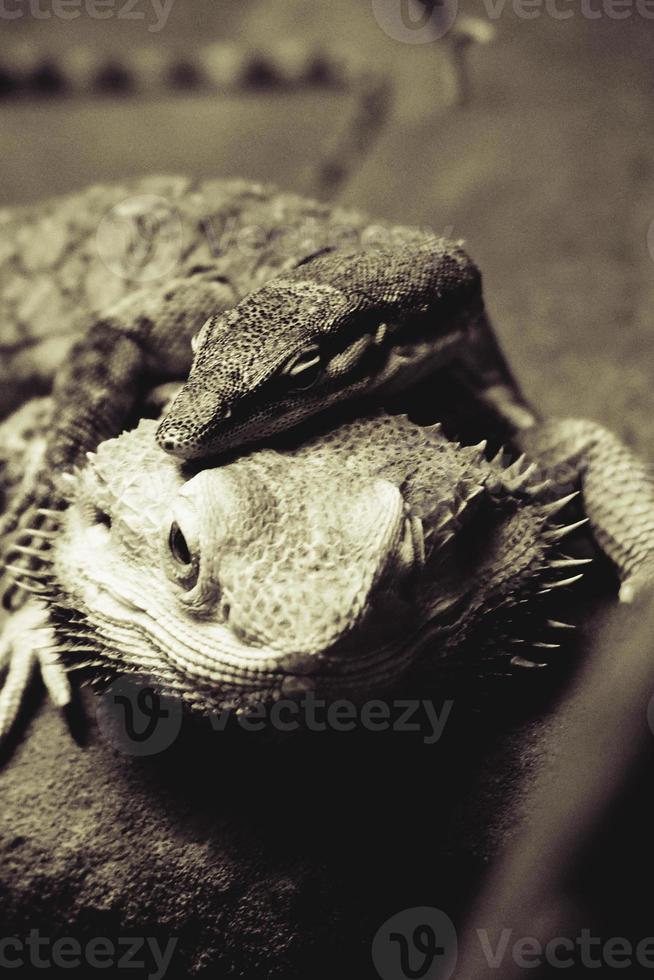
27	644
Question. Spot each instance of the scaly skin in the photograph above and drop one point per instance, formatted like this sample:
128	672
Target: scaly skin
331	565
349	323
292	294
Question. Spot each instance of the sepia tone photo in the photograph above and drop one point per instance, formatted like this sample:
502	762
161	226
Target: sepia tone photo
326	489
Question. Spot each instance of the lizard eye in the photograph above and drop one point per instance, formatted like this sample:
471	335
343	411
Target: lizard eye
304	369
181	555
179	548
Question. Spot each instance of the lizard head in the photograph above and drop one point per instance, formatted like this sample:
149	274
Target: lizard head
336	328
328	566
247	579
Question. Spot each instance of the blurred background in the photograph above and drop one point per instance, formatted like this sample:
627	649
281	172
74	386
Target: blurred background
546	172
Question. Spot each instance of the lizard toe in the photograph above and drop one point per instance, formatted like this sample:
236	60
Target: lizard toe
24	643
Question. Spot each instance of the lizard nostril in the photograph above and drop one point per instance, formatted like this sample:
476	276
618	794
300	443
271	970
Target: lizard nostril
170	439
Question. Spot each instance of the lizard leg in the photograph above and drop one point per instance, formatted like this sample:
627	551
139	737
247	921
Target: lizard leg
484	368
92	397
617	488
25	645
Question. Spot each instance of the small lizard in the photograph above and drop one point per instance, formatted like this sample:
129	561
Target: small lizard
346	323
294	306
332	564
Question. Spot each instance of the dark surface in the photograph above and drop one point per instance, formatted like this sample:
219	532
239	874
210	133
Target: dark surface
277	857
286	858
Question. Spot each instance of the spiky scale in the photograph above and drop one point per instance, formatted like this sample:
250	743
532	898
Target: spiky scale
557	533
31	552
29	572
527	664
37	532
499	456
562	583
569	562
549	510
538	489
557	625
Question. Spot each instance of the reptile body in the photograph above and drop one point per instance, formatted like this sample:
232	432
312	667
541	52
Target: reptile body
294	306
296	309
331	565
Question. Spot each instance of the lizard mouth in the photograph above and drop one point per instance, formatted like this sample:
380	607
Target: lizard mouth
131	631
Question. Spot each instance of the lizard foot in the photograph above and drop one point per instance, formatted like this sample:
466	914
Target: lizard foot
26	644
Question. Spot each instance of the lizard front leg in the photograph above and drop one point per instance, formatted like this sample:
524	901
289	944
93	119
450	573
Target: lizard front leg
485	370
146	336
617	489
27	643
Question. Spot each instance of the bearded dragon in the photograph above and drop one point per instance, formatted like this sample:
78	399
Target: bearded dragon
333	563
293	307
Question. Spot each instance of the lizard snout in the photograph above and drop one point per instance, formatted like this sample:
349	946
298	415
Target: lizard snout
187	434
175	440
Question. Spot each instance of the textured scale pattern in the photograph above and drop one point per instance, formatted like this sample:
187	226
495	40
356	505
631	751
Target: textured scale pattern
103	311
133	275
331	564
413	304
334	563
